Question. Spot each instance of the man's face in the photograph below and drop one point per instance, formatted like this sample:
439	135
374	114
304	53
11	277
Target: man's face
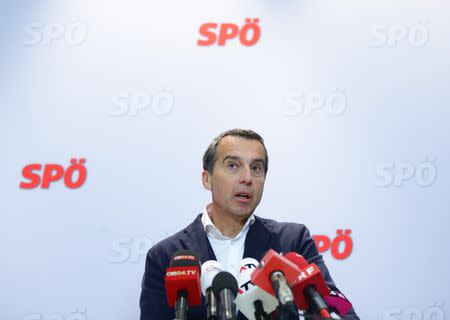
237	182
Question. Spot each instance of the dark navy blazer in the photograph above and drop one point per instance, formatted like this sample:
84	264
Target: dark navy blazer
264	234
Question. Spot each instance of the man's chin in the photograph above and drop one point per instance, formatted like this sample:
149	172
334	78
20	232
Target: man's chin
243	212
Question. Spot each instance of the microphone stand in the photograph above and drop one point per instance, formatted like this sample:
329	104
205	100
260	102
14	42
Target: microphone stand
260	314
227	299
309	315
211	305
181	305
285	313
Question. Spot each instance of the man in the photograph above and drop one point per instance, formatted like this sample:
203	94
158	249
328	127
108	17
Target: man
234	170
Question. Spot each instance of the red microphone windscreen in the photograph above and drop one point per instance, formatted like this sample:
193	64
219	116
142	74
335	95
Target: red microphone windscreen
271	262
183	275
297	258
309	274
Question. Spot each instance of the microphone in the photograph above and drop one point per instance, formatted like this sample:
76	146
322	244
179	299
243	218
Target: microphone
182	282
225	287
274	275
253	302
310	286
338	302
209	270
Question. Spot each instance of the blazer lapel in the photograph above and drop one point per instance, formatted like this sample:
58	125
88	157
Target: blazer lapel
196	239
258	240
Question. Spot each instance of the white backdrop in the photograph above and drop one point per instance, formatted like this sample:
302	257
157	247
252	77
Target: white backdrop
351	97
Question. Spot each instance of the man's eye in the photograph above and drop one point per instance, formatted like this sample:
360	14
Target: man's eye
232	165
257	168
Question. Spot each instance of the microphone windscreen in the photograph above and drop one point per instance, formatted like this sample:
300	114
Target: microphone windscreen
309	275
183	275
248	292
210	269
224	280
271	262
297	259
185	258
247	265
339	302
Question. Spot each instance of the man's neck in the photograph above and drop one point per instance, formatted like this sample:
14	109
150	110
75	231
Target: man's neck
228	225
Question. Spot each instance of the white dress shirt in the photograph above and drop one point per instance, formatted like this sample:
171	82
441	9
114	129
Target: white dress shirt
229	251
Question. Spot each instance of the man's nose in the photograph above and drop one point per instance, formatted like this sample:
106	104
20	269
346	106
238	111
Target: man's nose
246	176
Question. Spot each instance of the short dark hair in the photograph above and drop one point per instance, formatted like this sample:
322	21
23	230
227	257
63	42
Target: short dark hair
210	156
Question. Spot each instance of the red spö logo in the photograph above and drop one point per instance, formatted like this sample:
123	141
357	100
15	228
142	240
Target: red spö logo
341	246
211	32
74	176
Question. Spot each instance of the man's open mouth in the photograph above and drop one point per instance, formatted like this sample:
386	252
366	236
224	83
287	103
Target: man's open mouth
243	196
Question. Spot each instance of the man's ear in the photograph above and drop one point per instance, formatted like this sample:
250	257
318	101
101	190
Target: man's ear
206	180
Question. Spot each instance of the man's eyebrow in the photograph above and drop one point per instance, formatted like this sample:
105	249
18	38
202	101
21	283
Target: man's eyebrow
231	158
238	158
259	160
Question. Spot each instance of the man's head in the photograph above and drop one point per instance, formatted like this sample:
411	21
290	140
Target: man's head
234	169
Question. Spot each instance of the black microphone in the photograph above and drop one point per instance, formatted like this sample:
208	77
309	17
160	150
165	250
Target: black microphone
225	288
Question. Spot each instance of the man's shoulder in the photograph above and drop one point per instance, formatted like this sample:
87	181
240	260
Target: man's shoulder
283	227
291	236
166	247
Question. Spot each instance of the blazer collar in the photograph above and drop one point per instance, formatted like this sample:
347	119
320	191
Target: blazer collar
195	238
257	241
